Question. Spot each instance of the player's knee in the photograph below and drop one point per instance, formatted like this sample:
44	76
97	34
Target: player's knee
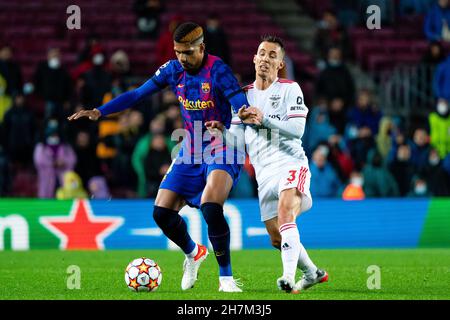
165	217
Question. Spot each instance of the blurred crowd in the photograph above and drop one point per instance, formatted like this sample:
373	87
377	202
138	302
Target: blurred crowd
355	150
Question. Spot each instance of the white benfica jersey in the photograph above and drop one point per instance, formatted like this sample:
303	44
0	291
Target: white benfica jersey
275	148
266	147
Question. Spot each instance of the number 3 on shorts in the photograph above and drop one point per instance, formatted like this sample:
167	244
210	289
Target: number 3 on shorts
292	175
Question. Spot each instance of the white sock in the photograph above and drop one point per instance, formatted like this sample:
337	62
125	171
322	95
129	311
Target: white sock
290	249
305	264
193	253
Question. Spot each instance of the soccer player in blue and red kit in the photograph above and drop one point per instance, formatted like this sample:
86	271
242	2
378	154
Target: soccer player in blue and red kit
207	91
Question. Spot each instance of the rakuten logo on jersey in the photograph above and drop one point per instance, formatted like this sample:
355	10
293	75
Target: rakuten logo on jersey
195	105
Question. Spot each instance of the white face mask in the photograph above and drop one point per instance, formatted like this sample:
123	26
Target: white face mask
98	59
357	181
53	140
54	63
442	108
434	161
420	189
324	150
334	63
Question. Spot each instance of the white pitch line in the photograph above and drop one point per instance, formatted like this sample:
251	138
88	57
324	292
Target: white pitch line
252	232
150	232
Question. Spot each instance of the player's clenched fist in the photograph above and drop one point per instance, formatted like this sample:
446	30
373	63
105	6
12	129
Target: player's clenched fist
93	114
245	115
250	115
256	115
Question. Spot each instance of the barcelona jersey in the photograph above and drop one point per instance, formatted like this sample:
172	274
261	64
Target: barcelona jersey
209	94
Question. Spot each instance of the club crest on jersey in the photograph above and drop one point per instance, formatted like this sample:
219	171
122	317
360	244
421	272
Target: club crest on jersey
206	87
275	101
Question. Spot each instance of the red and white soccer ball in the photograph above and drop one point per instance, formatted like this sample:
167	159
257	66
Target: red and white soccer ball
143	274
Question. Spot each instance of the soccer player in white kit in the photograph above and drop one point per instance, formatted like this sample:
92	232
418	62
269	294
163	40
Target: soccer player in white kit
274	146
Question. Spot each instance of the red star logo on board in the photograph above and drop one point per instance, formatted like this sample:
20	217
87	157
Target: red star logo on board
81	229
143	267
133	284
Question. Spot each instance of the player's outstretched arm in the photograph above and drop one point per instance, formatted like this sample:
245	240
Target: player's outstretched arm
130	98
120	103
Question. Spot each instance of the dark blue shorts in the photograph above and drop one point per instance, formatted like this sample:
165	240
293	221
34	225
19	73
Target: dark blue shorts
189	180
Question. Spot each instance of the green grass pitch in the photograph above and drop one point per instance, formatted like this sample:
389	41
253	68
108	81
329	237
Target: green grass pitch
405	274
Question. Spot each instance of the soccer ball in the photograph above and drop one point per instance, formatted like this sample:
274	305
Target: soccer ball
143	274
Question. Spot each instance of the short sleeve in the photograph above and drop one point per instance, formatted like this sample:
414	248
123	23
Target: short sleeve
295	102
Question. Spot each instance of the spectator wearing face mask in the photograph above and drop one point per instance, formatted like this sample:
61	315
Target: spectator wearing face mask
52	158
419	188
439	122
336	80
91	47
378	181
354	189
98	80
72	187
324	179
53	84
438	181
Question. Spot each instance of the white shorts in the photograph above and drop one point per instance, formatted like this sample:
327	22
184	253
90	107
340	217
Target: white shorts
271	185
